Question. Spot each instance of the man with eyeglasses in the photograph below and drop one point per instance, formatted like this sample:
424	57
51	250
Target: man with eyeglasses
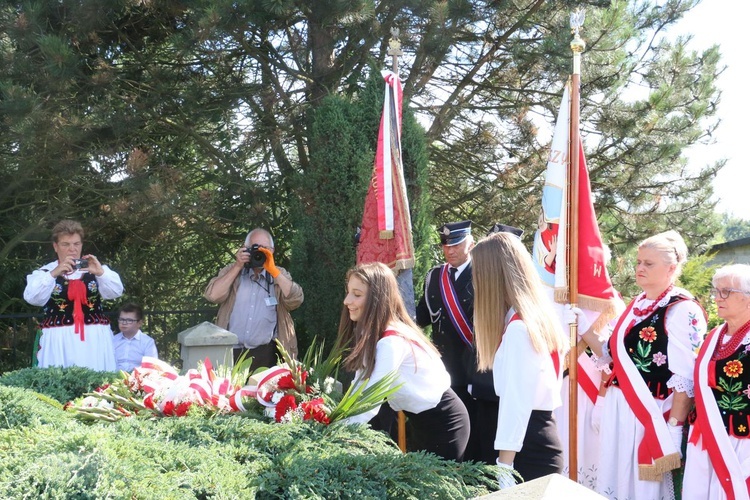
255	298
131	344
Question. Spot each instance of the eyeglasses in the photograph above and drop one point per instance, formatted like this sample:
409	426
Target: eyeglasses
127	321
725	292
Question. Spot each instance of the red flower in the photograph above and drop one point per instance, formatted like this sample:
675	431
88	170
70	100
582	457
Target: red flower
168	408
102	388
314	410
148	401
733	368
286	382
182	408
286	404
67	405
648	334
694	321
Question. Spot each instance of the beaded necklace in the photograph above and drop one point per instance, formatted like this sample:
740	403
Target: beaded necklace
647	311
725	350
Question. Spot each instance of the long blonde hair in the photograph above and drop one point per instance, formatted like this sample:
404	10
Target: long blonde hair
383	306
504	277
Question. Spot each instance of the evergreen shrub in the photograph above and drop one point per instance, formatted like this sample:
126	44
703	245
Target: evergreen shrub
46	453
61	384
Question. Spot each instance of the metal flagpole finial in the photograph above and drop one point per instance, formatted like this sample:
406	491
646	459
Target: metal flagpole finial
394	48
577	17
394	44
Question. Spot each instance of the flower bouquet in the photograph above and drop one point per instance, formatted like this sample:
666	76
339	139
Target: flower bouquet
293	391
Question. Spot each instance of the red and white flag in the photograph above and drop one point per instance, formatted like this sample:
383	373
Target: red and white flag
596	295
385	234
595	290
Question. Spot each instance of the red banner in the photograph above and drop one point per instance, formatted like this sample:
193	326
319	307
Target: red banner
385	234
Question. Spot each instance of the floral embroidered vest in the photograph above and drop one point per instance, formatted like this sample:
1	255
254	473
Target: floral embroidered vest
729	379
59	308
646	344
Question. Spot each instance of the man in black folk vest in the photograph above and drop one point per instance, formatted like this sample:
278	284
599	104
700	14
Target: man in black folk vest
448	305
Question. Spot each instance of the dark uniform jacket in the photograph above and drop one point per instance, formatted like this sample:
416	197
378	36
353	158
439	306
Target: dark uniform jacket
459	358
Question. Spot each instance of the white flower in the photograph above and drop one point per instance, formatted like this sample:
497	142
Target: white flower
90	402
270	412
296	415
223	403
276	397
328	385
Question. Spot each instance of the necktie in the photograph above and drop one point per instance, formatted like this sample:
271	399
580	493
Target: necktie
453	271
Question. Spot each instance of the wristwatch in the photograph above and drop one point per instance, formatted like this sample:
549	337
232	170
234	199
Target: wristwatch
674	422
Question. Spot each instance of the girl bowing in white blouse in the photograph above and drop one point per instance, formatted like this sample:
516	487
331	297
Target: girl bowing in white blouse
381	338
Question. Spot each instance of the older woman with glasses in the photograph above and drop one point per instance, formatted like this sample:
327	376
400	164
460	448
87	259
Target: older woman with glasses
718	450
650	391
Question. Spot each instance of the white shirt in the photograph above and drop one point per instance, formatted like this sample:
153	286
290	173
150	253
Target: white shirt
130	352
460	268
40	284
525	380
420	370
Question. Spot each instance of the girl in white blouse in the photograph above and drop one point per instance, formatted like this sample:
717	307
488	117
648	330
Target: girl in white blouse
381	338
520	338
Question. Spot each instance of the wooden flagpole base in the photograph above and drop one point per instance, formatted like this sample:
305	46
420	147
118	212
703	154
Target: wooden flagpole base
402	431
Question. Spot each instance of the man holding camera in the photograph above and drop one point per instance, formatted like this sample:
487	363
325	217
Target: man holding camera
75	330
255	298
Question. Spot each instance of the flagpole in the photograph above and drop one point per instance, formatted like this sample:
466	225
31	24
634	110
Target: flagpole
394	50
577	45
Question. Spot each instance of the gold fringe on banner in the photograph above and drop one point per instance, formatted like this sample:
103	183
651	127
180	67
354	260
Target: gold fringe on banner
660	466
386	235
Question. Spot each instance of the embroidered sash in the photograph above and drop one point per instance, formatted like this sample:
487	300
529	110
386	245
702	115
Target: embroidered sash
656	452
709	427
587	373
461	323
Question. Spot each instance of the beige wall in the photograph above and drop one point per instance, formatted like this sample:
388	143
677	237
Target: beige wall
733	255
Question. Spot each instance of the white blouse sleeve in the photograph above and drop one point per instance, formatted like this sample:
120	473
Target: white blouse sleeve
390	353
516	372
686	328
39	286
110	285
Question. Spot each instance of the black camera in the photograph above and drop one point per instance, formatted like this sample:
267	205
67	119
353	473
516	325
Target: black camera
80	264
257	258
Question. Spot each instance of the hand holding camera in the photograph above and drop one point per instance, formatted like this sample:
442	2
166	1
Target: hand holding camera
87	263
257	258
268	264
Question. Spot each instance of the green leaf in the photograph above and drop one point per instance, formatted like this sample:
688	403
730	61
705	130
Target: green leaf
361	400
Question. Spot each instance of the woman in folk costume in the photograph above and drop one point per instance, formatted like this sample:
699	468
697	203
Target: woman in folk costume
519	337
718	452
75	330
382	338
651	388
